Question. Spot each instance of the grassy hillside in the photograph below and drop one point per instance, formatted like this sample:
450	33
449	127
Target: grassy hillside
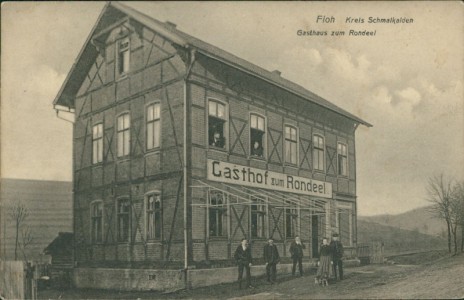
419	220
397	240
49	204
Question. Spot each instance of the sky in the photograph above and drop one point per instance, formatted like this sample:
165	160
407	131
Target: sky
406	80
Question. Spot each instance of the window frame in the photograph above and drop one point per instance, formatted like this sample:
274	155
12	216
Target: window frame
154	121
118	220
263	137
126	54
97	157
123	132
261	213
296	141
220	213
225	124
93	234
291	212
345	159
320	151
155	214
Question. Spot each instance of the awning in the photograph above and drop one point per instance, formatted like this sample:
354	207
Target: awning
240	195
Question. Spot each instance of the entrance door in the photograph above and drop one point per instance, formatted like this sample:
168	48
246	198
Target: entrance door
315	236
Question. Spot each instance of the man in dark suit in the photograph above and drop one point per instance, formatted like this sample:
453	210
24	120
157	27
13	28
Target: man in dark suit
243	259
272	258
336	248
296	251
217	140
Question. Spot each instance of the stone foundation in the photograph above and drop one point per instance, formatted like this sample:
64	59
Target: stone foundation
168	280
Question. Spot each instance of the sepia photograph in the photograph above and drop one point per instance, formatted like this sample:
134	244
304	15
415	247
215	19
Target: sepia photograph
232	150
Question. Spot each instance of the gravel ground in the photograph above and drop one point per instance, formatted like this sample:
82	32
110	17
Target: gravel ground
430	275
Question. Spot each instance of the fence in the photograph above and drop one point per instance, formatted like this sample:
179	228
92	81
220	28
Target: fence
371	253
12	283
19	279
377	253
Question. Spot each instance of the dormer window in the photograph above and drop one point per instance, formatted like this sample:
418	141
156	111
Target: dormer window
123	56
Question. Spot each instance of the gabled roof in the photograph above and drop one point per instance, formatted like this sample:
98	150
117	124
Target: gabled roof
114	11
63	242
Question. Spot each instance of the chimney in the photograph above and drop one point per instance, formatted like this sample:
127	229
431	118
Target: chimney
170	24
277	72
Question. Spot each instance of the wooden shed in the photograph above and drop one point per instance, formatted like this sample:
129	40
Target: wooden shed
61	251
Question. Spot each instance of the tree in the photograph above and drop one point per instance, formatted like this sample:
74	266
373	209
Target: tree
439	192
26	239
457	213
18	215
455	219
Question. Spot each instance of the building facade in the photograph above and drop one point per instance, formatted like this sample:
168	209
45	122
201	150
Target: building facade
182	149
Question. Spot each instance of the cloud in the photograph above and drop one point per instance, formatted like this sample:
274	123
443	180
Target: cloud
34	90
308	56
45	81
314	56
30	128
343	65
381	95
409	95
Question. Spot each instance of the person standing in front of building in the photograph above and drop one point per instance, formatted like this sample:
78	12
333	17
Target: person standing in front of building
296	251
324	268
243	259
336	248
272	258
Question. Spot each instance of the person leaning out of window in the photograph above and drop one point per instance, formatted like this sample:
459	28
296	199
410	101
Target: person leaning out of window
257	149
217	140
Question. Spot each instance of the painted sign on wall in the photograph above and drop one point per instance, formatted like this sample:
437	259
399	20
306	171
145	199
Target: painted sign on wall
252	177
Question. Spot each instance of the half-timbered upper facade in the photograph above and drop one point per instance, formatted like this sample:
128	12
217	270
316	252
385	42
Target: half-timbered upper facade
182	149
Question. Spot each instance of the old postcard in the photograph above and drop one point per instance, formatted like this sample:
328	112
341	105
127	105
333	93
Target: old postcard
232	150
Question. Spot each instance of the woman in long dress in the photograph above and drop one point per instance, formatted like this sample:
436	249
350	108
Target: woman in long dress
324	270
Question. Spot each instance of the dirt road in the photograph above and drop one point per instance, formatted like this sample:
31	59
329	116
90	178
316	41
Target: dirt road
441	279
438	279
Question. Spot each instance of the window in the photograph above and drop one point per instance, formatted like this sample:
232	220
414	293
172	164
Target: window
258	216
123	220
318	152
153	209
153	126
257	132
291	216
97	143
217	124
217	214
342	159
291	145
123	135
123	56
97	221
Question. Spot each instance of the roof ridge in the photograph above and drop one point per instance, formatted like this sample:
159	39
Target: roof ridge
241	62
186	40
